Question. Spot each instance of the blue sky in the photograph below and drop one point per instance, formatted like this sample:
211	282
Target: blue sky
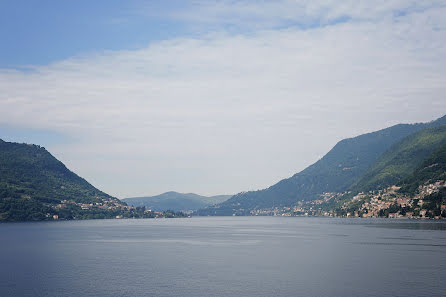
213	97
29	135
41	31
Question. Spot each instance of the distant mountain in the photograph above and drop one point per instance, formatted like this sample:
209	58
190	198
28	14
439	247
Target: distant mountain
335	172
176	201
36	186
401	160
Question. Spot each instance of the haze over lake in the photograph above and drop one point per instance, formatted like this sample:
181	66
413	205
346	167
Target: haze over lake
224	256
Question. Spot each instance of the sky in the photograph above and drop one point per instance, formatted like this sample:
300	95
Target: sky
212	97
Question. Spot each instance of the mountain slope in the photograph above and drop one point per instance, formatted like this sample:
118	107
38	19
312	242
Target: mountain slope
432	169
32	182
401	159
421	194
30	170
176	201
335	172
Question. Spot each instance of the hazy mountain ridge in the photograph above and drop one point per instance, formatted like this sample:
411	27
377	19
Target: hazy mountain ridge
34	185
176	201
337	171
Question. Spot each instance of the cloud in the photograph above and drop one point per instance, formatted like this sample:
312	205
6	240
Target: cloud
304	13
225	112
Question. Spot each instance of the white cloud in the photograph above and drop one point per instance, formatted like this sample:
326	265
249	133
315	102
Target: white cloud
226	113
306	13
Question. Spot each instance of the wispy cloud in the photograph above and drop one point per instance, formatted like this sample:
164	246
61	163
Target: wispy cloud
230	112
302	13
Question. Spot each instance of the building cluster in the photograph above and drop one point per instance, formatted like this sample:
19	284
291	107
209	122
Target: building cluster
102	203
108	204
276	211
388	202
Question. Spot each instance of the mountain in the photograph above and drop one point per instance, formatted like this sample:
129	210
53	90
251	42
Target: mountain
176	201
335	172
401	160
420	191
30	170
36	186
431	170
409	180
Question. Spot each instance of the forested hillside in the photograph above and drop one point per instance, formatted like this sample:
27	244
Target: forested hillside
36	186
401	160
432	169
337	171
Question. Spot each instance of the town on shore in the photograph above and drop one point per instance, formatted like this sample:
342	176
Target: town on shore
105	208
388	203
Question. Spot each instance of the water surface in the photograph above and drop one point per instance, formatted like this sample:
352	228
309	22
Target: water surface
224	256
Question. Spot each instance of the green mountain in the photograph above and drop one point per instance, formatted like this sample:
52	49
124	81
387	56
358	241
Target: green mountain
335	172
176	201
33	183
416	166
401	160
420	191
432	169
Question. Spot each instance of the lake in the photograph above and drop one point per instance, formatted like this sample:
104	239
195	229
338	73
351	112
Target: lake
224	256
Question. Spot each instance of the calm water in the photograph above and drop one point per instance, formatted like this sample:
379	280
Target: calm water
233	256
